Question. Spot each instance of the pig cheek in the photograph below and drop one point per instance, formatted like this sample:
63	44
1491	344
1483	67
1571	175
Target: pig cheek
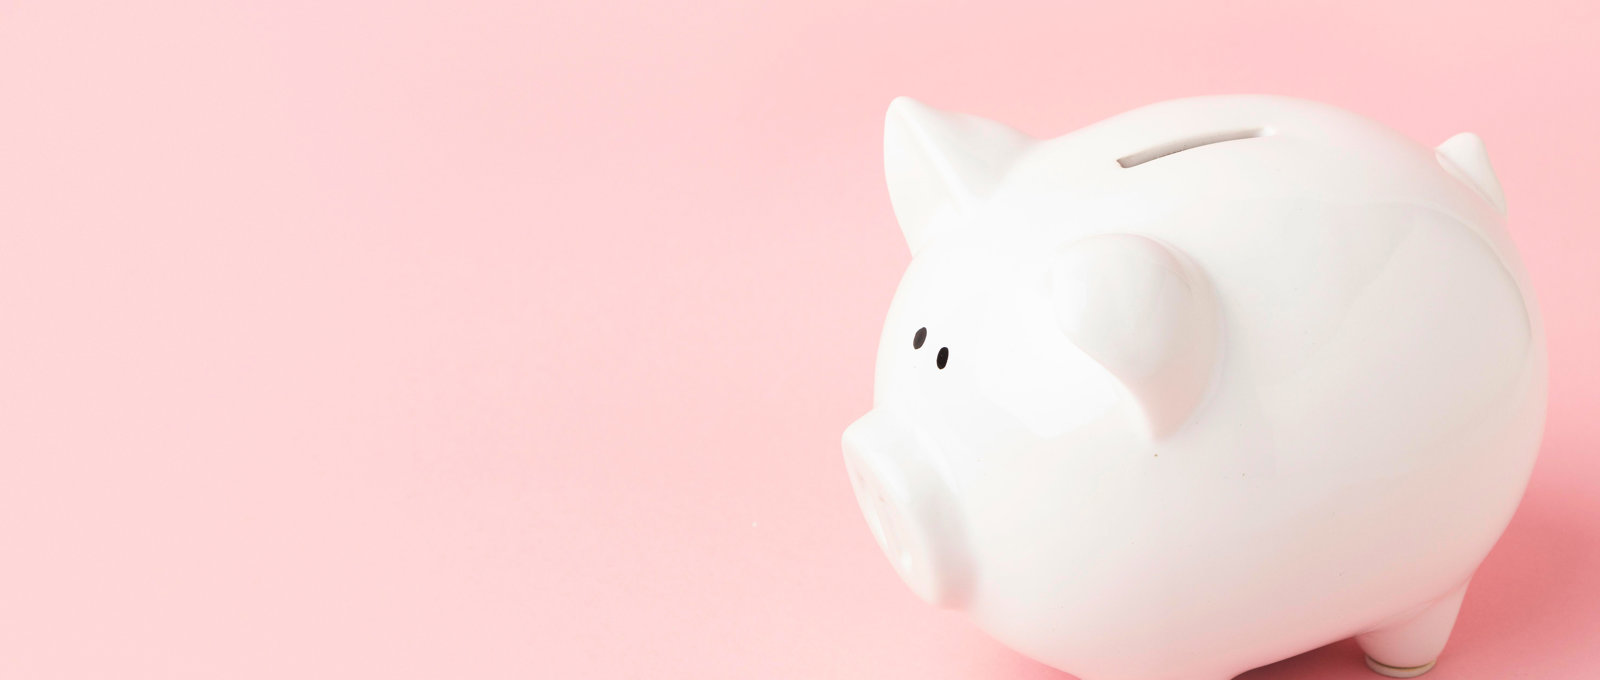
1030	371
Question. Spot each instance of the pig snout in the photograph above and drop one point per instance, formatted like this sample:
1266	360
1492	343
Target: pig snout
909	507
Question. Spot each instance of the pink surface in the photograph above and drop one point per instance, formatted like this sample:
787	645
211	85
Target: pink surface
515	340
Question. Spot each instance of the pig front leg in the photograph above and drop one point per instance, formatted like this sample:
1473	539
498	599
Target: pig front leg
1410	646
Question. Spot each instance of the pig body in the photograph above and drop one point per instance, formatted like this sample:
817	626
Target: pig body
1199	387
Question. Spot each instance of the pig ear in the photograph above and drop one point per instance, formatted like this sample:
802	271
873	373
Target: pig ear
1146	313
1465	156
939	163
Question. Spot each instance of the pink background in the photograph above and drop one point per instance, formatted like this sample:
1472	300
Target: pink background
510	339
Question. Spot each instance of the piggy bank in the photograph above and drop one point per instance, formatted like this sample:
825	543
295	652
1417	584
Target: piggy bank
1199	387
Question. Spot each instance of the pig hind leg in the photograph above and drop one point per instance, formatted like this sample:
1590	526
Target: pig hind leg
1409	647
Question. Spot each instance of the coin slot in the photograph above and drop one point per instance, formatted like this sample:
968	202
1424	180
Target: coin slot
1164	150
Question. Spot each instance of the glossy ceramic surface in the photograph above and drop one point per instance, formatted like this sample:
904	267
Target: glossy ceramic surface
1199	387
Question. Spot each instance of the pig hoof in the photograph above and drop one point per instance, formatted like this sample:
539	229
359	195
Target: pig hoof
1413	644
1382	668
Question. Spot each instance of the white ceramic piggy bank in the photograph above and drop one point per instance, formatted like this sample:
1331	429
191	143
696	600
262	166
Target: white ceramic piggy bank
1199	387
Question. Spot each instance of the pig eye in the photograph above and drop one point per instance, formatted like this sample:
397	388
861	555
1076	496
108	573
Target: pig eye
916	340
944	357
